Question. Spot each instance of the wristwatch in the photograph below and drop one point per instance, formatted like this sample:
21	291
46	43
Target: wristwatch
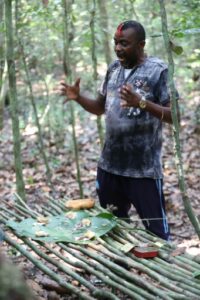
142	102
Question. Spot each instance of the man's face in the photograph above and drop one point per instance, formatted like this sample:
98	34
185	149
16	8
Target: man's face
127	48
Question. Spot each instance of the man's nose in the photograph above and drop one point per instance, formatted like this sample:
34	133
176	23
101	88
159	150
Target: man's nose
118	47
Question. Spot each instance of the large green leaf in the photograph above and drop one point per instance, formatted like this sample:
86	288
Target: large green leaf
63	228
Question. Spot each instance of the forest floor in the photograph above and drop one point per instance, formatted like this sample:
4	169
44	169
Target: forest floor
65	185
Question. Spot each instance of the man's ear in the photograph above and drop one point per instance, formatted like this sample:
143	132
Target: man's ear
142	44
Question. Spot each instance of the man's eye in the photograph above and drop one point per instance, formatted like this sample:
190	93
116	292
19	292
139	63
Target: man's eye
123	44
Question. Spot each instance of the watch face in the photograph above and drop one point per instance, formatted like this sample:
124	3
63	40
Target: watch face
142	104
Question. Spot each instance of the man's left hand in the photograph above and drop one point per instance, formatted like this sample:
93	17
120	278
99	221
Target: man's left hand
129	98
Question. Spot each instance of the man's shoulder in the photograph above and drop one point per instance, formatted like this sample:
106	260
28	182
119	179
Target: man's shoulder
156	62
114	65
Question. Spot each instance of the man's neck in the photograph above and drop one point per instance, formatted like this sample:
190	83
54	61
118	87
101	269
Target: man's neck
138	62
141	59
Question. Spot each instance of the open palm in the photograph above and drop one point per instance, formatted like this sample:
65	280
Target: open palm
71	91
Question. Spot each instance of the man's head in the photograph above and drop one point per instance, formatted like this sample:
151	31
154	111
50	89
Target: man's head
129	43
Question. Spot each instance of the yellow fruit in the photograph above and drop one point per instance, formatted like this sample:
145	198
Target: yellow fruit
80	204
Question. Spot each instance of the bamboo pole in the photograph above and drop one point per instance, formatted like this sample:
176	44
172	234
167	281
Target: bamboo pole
67	70
94	63
130	277
101	295
62	267
28	80
131	262
79	264
3	91
48	271
13	98
3	67
177	150
179	283
105	28
114	281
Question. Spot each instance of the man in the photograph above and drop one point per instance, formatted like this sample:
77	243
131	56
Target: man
135	100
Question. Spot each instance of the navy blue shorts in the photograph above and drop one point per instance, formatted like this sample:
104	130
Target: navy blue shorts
145	194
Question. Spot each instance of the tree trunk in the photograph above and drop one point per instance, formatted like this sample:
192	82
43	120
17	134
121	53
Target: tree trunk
105	29
178	156
2	67
28	79
2	41
67	71
95	74
3	92
133	11
13	98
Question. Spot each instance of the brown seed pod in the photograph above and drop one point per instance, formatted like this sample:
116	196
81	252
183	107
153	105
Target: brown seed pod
80	204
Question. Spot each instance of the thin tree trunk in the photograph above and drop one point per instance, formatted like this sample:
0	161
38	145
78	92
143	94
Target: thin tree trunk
105	29
28	79
2	66
95	74
3	92
13	98
47	111
37	121
132	2
67	71
2	42
178	156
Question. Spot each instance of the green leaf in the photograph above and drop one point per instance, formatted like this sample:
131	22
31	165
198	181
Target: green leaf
178	50
177	33
175	48
182	33
196	274
66	228
106	215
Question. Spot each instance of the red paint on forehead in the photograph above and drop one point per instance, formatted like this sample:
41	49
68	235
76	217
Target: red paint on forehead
119	29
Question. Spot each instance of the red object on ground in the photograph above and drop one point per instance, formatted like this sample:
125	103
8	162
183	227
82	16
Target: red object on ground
145	252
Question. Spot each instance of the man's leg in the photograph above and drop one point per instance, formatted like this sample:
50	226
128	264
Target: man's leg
147	197
109	191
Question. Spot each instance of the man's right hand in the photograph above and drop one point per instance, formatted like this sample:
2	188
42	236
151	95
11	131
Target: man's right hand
71	92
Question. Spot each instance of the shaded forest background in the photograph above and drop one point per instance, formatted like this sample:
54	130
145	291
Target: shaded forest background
69	134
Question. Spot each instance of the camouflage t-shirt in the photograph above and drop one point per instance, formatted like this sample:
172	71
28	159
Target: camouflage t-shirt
134	137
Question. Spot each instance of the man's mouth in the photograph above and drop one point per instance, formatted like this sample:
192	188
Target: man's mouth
121	58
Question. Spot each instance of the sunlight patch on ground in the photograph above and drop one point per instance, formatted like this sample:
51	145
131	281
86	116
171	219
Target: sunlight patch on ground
192	246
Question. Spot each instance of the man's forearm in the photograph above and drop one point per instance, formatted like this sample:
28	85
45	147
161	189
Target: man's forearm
161	112
94	106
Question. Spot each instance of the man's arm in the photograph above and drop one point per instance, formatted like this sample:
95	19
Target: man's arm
72	92
130	98
161	112
94	106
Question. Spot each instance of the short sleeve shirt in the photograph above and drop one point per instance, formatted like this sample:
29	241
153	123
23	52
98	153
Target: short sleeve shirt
133	136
